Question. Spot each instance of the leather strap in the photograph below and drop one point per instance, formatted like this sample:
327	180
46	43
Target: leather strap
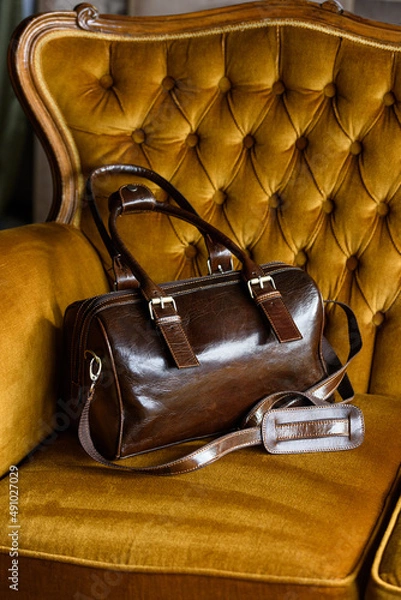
136	199
273	307
219	257
338	377
286	422
126	270
170	326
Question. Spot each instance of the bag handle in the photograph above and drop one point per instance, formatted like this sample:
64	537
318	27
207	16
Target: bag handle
121	203
279	422
132	199
219	257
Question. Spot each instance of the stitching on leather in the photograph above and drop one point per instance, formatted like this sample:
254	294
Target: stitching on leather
188	351
334	448
296	333
311	435
205	448
173	319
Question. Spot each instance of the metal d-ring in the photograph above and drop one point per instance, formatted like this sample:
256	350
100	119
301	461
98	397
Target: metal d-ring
96	360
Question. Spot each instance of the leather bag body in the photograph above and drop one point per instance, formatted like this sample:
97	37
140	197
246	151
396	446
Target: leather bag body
192	359
145	402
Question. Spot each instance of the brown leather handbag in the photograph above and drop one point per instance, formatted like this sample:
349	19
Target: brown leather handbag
239	355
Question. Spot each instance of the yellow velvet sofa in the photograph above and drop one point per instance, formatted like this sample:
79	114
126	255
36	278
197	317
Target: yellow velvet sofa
281	123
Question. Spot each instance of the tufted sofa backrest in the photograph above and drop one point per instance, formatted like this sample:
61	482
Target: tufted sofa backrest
279	121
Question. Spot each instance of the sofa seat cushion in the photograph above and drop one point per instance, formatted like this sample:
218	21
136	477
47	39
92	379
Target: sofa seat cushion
250	525
385	582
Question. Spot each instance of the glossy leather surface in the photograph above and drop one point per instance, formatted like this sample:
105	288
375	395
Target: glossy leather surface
159	404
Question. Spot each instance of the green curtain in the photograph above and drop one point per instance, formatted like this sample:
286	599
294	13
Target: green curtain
14	131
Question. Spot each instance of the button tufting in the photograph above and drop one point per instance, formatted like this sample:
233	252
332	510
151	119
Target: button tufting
352	263
168	83
138	136
278	88
274	201
249	141
301	259
328	206
191	251
389	99
219	197
301	143
383	209
106	82
225	85
356	148
192	140
378	319
330	90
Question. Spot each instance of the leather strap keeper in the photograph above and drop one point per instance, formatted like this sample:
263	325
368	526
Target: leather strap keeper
312	429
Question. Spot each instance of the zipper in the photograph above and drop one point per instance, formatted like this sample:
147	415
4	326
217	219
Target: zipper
84	315
89	308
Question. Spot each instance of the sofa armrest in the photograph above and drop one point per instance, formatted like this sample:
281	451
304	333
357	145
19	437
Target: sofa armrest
43	268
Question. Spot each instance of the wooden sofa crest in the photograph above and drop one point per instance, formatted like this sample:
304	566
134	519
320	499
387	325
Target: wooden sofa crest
281	122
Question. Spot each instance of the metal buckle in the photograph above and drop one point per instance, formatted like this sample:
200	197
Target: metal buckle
162	301
261	281
220	268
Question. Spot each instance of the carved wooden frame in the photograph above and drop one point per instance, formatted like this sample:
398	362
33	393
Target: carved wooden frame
60	149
